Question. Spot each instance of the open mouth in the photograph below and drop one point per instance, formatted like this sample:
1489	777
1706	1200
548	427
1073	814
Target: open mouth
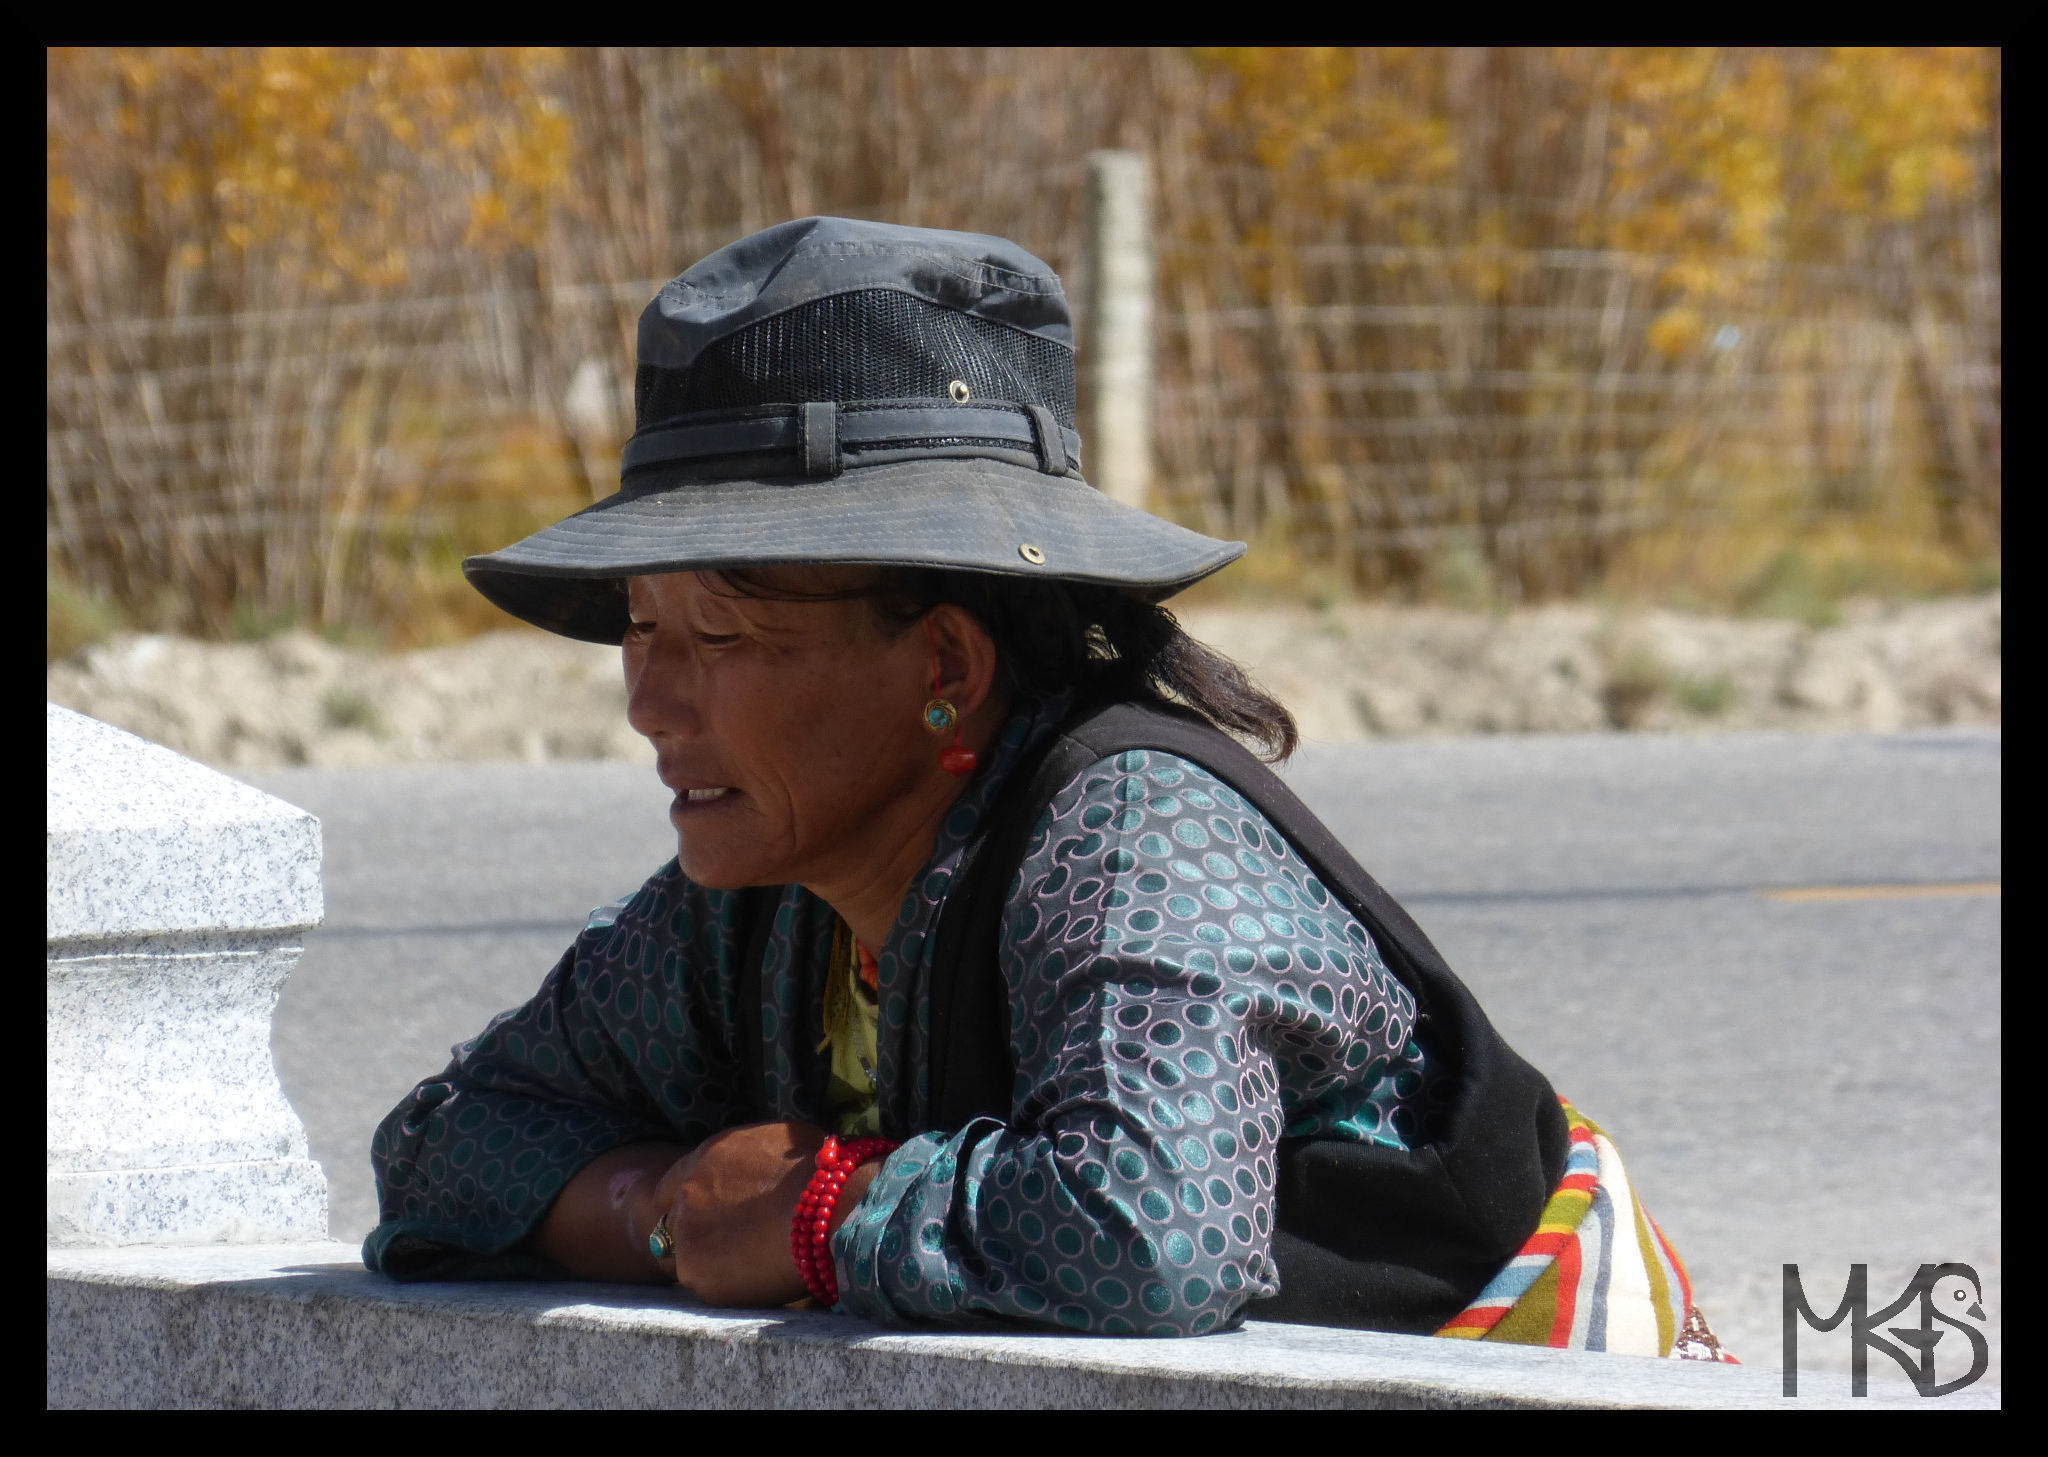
704	796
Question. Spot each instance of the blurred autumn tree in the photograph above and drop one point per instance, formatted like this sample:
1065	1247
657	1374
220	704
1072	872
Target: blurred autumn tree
320	321
1569	305
226	421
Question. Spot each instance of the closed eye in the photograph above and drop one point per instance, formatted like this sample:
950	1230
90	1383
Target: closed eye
718	639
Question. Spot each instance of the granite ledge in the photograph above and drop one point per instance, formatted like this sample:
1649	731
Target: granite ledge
307	1326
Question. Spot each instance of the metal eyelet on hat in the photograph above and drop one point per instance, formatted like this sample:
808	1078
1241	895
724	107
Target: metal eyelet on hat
958	390
1031	554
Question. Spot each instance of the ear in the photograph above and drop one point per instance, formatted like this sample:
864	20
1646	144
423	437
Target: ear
966	656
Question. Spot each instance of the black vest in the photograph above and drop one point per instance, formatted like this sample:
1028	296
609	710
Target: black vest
1367	1236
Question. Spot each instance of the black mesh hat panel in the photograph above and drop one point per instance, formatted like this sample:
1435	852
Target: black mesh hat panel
798	262
871	344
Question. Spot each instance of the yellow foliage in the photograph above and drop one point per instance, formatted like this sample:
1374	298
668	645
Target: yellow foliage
1717	156
327	159
1675	331
1321	114
1750	155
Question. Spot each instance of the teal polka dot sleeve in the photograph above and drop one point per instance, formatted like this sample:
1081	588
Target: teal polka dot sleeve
1183	994
630	1038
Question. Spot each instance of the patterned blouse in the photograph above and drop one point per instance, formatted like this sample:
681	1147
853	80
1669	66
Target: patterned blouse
1183	993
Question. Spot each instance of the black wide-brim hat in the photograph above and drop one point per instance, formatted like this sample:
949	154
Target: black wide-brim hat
835	392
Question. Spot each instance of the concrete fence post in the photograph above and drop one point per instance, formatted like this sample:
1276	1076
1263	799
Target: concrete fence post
178	900
1117	450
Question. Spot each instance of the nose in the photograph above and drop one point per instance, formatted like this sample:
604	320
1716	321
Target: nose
660	697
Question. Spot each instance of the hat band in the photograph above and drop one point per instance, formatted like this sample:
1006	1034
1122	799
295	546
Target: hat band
821	436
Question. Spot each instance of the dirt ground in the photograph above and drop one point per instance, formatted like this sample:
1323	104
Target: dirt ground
1349	673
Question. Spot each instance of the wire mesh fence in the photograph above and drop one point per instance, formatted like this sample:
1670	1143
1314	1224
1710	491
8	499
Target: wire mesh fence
1370	432
1364	371
1396	411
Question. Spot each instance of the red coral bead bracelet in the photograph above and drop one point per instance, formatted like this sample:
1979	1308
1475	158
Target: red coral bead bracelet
810	1243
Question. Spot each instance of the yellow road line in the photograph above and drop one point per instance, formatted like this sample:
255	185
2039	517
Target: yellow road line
1802	893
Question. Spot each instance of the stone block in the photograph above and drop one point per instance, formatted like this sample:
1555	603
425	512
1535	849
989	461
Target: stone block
307	1326
178	902
143	841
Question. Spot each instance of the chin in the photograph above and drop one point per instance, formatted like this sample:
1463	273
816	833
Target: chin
715	870
710	872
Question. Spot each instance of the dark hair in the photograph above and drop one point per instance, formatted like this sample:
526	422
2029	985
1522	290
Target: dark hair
1099	643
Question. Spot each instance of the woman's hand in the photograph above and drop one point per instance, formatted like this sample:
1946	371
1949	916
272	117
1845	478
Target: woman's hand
598	1225
730	1203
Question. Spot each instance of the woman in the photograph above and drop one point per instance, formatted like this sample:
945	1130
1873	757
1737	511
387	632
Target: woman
992	976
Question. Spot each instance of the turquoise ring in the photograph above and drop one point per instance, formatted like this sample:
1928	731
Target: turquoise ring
661	1244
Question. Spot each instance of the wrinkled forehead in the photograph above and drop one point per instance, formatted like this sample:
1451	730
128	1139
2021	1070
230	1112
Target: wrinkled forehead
787	596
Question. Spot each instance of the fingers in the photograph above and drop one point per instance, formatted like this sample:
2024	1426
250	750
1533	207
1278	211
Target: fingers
670	1185
729	1208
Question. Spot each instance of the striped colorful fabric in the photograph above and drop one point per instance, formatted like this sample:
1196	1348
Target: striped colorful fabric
1597	1275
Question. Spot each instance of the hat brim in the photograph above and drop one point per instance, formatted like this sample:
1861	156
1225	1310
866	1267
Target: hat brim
973	515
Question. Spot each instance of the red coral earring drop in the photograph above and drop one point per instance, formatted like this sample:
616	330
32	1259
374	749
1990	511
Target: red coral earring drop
939	715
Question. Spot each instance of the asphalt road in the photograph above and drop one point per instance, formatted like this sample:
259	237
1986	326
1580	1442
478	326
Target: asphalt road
1811	1080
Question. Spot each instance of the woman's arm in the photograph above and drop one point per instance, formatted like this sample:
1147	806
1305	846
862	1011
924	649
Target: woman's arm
1183	994
597	1227
621	1046
1132	1190
729	1205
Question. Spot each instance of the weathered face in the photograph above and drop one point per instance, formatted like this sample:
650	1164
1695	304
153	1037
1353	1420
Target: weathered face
787	729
